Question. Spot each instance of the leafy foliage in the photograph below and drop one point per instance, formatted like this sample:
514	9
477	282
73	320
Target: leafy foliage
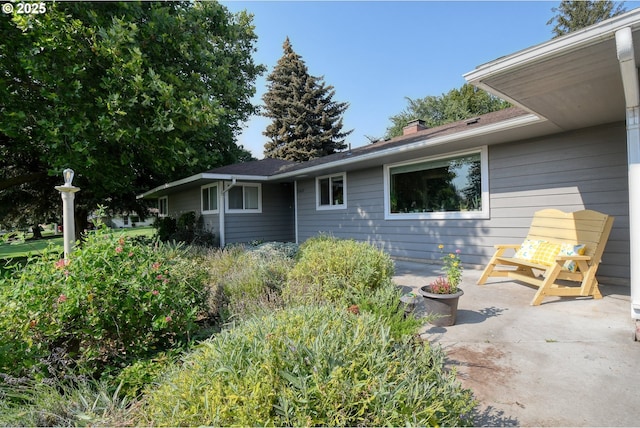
186	229
335	270
79	403
307	122
457	104
572	15
111	302
250	278
129	94
310	366
351	360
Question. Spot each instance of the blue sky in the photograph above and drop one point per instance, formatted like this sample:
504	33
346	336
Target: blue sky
377	53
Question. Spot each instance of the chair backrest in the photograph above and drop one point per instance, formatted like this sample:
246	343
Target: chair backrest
587	227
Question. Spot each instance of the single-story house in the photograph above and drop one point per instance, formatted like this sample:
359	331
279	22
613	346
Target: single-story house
571	141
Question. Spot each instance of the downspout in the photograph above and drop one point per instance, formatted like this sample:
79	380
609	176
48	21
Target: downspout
222	211
629	72
295	208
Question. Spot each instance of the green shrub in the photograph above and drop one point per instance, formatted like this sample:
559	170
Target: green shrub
384	302
133	379
250	278
332	270
310	366
113	301
186	229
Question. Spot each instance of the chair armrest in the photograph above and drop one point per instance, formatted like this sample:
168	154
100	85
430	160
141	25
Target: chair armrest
506	246
576	257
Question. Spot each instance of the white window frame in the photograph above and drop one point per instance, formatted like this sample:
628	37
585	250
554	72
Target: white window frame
484	176
164	199
206	210
331	205
243	210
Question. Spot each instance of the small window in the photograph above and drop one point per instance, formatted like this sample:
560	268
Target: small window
209	199
331	191
244	198
163	206
453	186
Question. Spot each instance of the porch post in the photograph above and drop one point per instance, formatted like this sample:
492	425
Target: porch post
633	154
629	73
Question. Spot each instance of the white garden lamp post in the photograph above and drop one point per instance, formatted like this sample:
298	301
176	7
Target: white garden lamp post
67	191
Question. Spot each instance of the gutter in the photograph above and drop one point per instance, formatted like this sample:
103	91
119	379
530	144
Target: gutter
629	73
429	142
556	47
560	46
513	123
201	176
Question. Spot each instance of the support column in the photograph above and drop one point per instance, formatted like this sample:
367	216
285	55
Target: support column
631	84
68	193
633	154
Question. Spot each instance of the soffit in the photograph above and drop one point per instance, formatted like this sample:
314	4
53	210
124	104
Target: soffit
573	81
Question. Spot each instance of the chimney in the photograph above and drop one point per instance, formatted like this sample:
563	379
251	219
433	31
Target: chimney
414	126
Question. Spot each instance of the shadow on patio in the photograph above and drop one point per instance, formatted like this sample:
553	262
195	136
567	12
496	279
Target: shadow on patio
567	362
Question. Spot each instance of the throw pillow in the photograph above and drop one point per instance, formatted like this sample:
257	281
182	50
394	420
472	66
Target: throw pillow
568	249
527	249
546	253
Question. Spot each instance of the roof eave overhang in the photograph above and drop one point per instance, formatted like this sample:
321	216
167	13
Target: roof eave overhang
553	48
505	125
202	177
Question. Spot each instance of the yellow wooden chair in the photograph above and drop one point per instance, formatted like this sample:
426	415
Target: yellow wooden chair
559	247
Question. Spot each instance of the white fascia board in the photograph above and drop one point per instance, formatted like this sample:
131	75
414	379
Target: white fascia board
418	145
202	176
555	47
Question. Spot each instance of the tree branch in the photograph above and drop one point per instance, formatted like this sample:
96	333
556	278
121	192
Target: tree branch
22	179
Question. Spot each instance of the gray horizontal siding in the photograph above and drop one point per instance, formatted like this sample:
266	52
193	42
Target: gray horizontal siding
573	171
275	223
183	202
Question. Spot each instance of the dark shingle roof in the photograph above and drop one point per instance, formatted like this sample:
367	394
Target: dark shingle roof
426	134
269	167
264	167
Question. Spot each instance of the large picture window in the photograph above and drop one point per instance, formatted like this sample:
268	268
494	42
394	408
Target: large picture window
445	187
244	198
209	199
331	191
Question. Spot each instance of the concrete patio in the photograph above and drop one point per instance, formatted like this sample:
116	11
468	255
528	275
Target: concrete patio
567	362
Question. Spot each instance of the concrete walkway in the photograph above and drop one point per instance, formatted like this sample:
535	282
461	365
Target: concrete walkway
568	362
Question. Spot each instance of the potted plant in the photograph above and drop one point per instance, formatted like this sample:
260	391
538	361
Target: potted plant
442	294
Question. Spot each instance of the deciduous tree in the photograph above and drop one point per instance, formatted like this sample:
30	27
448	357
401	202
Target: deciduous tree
129	95
457	104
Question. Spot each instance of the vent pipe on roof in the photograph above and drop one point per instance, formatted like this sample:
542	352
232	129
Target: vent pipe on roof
629	73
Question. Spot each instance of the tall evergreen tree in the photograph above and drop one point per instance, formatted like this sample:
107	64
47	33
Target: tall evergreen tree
572	15
307	122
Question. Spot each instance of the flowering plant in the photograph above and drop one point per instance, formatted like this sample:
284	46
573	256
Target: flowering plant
448	284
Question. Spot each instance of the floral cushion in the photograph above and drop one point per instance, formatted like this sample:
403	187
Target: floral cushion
527	249
546	253
568	249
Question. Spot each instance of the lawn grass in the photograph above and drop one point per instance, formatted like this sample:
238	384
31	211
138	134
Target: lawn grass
31	247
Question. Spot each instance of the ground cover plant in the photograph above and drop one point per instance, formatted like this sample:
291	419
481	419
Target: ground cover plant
288	335
310	366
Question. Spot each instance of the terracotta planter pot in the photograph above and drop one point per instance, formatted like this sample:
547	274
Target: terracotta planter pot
445	306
